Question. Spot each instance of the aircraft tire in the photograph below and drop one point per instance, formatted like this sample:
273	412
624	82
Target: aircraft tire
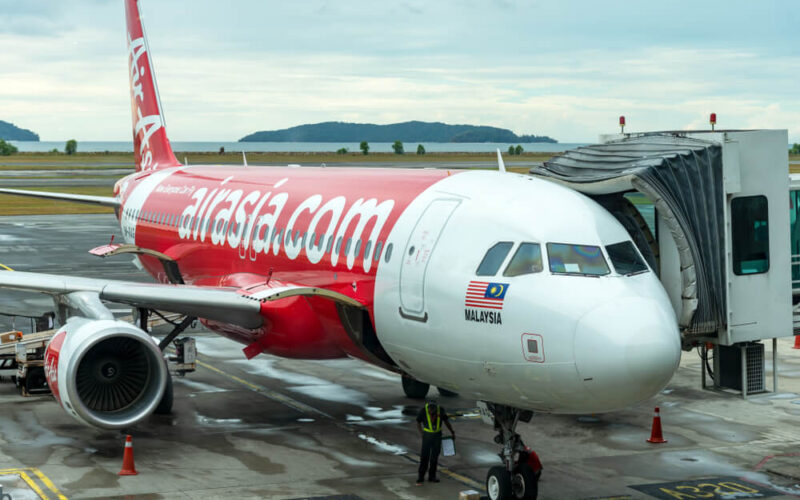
415	389
525	483
165	406
446	393
498	483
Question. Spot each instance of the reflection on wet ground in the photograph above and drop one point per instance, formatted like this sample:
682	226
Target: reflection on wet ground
298	429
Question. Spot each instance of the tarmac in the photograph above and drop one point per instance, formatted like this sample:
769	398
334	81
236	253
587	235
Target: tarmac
291	429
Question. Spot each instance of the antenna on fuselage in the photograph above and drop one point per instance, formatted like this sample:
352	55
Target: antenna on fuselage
500	165
244	158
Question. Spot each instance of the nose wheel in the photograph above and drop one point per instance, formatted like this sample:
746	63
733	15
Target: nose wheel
518	477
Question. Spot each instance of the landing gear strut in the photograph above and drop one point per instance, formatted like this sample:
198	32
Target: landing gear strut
516	478
415	389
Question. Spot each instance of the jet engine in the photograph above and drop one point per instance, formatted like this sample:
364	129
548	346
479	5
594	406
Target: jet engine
105	373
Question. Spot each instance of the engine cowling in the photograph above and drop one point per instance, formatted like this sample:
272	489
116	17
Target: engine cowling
105	373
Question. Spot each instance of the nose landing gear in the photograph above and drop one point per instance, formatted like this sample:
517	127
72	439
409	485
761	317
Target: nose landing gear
518	477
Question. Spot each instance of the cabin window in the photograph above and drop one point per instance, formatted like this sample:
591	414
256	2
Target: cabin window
367	248
378	248
526	260
750	238
321	242
625	258
388	254
330	245
347	246
338	244
358	248
494	258
584	260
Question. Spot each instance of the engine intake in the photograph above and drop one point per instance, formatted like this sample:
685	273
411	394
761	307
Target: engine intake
105	373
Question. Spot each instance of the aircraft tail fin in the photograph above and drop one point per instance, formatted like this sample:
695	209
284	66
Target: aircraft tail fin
151	148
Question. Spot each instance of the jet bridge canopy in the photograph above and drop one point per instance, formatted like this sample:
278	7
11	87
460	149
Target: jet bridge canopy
692	178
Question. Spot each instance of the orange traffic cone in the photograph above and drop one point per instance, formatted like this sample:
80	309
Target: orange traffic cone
796	342
655	434
128	469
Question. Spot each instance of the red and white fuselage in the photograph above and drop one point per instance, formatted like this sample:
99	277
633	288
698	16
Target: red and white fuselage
409	247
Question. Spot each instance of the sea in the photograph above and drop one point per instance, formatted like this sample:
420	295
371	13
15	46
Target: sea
298	147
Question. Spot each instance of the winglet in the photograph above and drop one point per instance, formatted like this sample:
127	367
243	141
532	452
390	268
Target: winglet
500	165
151	148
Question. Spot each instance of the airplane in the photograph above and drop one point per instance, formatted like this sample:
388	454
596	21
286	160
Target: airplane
505	288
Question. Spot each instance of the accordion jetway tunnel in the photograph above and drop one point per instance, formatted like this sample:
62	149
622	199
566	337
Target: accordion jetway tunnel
719	239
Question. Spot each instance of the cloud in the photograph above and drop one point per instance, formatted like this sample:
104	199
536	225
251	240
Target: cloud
535	67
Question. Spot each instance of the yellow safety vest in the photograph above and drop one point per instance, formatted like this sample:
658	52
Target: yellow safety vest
430	427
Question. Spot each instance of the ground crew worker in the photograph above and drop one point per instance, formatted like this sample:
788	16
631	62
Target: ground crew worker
429	425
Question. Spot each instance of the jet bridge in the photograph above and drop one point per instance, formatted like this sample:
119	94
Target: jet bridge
719	239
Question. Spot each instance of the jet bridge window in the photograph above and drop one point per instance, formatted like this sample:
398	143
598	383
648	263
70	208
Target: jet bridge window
584	260
750	238
625	258
494	259
526	260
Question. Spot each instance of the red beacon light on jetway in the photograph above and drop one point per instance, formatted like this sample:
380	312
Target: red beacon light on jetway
622	124
713	120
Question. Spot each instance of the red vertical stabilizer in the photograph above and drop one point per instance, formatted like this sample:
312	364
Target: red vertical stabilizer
151	148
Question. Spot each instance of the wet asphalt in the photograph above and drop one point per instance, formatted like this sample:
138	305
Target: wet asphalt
285	429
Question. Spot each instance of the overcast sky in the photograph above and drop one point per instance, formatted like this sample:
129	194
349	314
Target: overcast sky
558	68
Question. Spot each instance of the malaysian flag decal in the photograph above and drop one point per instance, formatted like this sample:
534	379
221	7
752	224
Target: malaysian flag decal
486	295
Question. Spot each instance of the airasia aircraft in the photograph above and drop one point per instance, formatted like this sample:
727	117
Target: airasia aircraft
502	287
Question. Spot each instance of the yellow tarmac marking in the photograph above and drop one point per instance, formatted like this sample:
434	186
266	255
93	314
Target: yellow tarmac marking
5	267
413	457
275	396
23	473
304	408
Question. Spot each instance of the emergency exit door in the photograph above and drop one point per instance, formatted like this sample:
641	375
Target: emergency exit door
417	255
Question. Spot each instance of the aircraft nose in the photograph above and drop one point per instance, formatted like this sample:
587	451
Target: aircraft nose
627	350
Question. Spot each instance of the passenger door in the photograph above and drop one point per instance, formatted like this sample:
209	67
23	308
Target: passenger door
417	255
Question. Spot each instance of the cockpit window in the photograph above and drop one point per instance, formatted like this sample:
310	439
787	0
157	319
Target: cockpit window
494	259
625	258
576	259
526	260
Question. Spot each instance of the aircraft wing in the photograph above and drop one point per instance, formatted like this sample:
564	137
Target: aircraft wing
244	307
106	201
218	304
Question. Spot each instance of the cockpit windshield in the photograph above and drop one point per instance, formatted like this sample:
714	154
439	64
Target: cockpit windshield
584	260
625	258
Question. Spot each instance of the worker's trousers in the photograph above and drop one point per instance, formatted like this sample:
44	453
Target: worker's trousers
429	456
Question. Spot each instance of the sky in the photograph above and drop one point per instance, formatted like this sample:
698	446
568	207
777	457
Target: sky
566	69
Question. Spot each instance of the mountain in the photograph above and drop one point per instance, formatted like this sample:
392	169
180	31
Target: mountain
10	132
414	131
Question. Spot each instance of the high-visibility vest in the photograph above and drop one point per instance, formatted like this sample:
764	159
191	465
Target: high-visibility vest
430	427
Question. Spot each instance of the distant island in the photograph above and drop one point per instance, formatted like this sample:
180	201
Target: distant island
10	132
414	131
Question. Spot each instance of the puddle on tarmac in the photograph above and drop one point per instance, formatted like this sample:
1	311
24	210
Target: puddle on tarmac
384	446
308	385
